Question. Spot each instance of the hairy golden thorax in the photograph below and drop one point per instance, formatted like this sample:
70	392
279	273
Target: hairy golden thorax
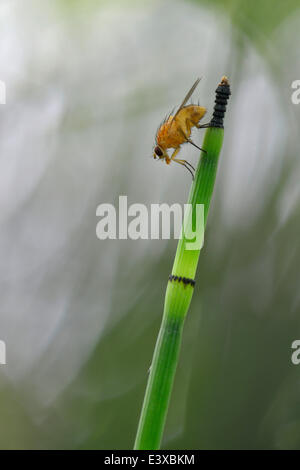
175	131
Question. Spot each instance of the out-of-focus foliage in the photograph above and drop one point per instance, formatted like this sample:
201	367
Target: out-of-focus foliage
254	19
86	89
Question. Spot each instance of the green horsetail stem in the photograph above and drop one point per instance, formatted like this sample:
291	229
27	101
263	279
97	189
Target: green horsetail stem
180	288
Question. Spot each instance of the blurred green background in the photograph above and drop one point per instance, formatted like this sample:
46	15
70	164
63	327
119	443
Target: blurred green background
87	83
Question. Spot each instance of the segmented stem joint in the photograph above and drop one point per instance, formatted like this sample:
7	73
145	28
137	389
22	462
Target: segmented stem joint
222	96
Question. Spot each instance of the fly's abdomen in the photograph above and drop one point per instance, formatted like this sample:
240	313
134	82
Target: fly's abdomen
190	115
198	113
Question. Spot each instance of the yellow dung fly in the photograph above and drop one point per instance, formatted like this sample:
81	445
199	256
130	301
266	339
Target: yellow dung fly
176	130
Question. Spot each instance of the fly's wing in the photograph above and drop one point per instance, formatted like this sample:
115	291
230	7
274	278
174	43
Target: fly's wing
189	94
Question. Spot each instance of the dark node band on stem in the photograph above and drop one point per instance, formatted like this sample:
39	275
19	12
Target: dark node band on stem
185	280
222	95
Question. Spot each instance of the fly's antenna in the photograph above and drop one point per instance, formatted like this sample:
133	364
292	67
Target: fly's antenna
222	96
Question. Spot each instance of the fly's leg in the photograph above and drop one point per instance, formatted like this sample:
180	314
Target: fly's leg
186	164
174	153
190	141
182	162
202	126
167	158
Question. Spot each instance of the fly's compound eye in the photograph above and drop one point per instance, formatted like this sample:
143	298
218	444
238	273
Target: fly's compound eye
158	151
